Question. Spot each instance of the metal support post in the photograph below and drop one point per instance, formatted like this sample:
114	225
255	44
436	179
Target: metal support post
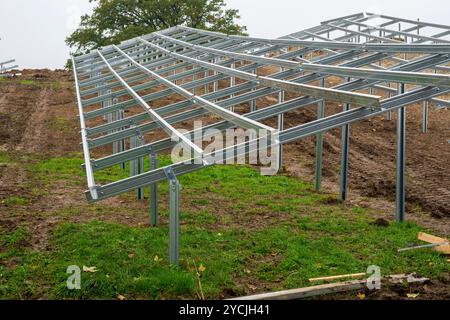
154	218
137	166
343	182
174	217
389	114
280	127
401	159
425	117
319	142
253	102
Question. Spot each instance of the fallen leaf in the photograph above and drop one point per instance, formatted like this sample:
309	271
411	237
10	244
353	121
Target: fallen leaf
247	271
361	296
90	269
251	287
131	255
121	297
201	269
412	295
156	259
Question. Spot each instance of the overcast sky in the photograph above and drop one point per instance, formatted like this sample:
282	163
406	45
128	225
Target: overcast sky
33	31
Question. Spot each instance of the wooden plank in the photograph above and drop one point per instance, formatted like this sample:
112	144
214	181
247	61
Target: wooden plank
308	291
343	276
328	288
431	245
433	239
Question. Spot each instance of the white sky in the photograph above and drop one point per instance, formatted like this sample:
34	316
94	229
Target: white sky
33	31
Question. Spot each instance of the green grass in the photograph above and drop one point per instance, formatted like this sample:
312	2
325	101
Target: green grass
27	82
272	232
5	157
14	201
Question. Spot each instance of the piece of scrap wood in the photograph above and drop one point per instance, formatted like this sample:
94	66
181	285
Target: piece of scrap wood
433	239
322	289
343	276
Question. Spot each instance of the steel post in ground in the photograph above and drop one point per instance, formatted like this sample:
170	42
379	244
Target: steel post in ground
154	218
401	159
319	143
425	117
345	149
174	217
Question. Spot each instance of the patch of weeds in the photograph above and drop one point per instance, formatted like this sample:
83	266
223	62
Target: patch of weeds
60	124
15	201
27	82
5	157
18	237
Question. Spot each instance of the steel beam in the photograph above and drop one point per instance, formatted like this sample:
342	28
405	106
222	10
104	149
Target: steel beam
290	135
211	107
273	110
163	124
424	79
329	94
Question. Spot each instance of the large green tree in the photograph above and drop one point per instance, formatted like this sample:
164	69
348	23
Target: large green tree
113	21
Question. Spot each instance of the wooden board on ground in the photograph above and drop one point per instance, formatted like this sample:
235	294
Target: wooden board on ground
433	239
343	276
328	288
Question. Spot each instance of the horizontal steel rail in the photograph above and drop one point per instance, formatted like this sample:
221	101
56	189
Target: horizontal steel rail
148	62
196	100
87	158
391	47
326	93
425	79
262	114
157	118
298	132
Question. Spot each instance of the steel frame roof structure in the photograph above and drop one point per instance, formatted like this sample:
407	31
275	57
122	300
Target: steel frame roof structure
5	67
403	61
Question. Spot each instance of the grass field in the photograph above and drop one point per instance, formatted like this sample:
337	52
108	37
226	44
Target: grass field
240	231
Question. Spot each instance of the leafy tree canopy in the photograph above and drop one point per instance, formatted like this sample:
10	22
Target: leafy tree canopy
113	21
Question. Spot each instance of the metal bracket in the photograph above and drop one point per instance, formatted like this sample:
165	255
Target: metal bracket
170	174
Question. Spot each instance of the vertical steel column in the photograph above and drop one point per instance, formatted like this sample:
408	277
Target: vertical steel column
194	77
154	219
401	159
345	148
232	84
425	117
122	143
137	166
280	127
140	166
215	73
319	142
253	102
389	114
206	85
174	217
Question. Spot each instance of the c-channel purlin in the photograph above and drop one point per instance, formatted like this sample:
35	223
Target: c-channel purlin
156	117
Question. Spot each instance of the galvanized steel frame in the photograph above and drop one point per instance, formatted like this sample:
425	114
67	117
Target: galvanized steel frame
200	59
